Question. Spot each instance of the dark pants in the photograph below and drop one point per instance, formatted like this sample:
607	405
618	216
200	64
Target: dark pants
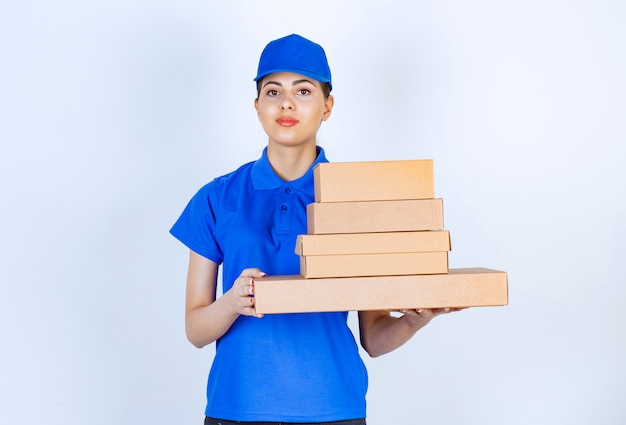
213	421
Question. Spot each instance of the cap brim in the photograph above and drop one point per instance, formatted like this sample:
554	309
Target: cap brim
315	76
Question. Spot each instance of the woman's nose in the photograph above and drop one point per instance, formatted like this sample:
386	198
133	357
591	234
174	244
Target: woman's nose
288	103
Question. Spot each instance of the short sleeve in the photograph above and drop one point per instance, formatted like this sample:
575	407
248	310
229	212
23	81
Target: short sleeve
195	227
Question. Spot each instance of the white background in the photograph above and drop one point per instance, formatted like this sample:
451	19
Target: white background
112	114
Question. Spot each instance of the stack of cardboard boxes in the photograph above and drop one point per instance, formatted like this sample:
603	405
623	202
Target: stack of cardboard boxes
376	240
374	219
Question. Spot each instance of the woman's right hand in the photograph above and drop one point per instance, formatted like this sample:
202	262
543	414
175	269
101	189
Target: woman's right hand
241	295
206	318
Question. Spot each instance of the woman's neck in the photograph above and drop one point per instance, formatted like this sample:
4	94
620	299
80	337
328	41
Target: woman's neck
291	162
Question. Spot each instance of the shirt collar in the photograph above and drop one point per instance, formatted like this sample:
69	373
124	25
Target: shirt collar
264	177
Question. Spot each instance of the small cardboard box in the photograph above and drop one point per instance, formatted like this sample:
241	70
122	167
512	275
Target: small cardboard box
373	243
374	181
375	216
397	263
471	287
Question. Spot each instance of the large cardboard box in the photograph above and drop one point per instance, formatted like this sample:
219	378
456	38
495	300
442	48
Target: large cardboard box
471	287
398	263
373	243
375	216
374	181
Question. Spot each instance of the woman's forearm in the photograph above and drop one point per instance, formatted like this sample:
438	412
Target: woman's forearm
382	333
206	324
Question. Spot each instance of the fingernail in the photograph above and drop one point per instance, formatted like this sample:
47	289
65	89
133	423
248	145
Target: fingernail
419	311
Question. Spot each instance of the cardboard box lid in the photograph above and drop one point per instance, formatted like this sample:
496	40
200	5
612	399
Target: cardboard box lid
373	243
392	264
374	180
467	287
375	216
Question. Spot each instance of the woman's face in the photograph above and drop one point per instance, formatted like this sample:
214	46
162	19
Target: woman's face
291	108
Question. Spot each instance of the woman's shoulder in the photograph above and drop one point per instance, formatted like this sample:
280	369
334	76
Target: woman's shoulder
234	180
234	177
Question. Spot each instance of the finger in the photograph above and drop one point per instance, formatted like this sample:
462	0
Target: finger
450	309
243	286
250	311
246	302
252	272
247	288
248	308
437	311
420	312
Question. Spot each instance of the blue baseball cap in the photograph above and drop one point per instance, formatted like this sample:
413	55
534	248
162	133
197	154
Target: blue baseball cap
294	53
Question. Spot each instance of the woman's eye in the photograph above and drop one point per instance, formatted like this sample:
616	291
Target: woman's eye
272	92
304	91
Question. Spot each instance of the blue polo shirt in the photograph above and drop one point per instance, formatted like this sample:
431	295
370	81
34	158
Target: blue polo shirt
301	367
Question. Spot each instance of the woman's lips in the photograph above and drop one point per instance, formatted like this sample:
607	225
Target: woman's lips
287	121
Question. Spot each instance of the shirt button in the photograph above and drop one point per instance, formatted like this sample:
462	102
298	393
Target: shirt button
284	208
287	190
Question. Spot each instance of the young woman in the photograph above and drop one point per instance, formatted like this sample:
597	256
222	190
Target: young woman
280	368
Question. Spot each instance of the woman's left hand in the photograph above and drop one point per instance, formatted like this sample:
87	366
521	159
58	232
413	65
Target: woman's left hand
421	316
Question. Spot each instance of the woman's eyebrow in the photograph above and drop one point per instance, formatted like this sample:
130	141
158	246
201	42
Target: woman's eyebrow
302	81
272	82
293	83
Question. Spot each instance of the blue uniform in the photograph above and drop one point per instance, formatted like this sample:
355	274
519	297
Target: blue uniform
283	367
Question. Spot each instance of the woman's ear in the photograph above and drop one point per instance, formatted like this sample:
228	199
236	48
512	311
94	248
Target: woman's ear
328	107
